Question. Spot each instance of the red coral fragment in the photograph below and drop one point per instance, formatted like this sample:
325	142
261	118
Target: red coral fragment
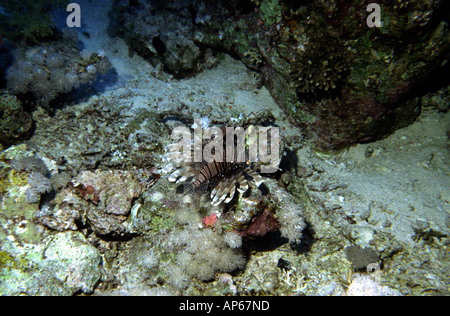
210	220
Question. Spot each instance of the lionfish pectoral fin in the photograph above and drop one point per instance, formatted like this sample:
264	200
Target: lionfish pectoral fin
182	179
174	176
256	177
230	197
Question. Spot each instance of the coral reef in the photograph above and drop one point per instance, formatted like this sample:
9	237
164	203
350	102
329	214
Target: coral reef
116	189
106	219
439	100
163	33
69	265
89	139
100	199
31	21
270	11
319	66
365	286
49	70
15	123
75	262
303	51
15	187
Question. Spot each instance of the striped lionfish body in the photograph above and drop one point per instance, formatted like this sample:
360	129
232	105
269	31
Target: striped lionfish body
224	177
213	169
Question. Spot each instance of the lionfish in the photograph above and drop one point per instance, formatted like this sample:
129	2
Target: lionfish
223	177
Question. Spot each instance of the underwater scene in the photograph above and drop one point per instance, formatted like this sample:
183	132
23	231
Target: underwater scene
225	148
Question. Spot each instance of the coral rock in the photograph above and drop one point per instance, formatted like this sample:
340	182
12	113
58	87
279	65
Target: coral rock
365	286
50	70
262	224
15	124
102	199
116	189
